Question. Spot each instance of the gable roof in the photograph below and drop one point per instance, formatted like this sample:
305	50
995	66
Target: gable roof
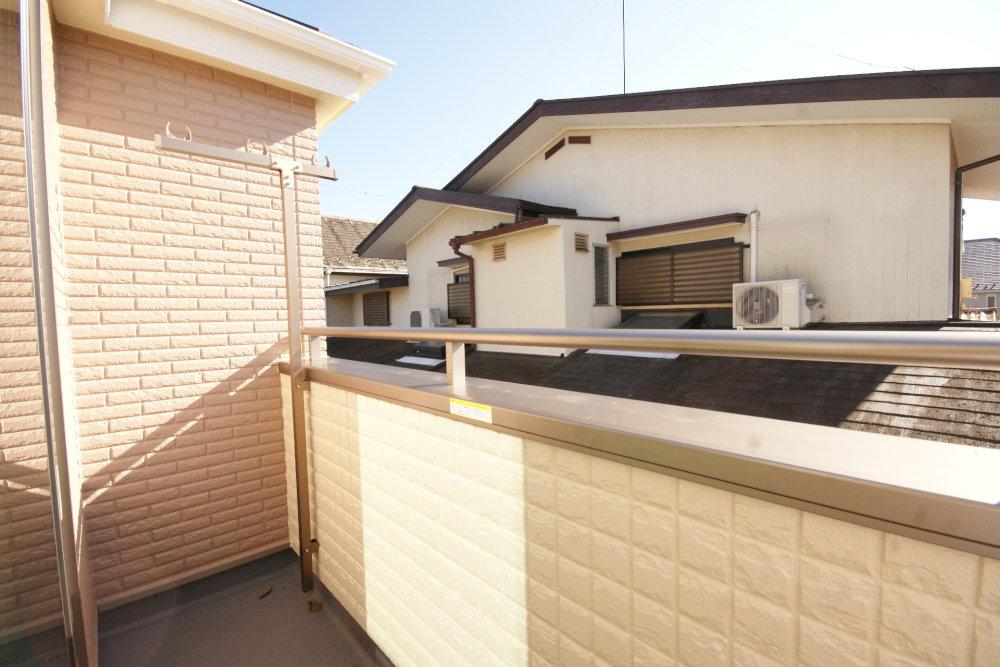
923	96
421	205
981	262
340	237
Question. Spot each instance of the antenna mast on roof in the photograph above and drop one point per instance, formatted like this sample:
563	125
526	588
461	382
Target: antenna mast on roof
623	47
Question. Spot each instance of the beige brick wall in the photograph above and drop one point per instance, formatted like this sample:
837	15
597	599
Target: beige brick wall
454	544
175	283
28	580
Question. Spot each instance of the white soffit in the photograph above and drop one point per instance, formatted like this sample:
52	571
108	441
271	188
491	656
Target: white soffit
239	38
975	126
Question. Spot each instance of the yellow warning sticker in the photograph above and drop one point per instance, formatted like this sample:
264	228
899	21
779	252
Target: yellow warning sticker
478	411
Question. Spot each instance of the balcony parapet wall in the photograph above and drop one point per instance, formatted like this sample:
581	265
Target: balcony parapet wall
577	527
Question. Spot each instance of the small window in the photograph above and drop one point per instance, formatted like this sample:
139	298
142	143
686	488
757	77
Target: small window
499	251
461	278
581	242
602	276
991	302
375	309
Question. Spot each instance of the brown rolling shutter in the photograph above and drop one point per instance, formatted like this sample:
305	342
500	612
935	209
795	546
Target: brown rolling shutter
645	278
602	279
707	275
695	273
375	309
459	302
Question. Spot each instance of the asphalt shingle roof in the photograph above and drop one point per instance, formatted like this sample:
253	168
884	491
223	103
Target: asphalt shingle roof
341	236
949	405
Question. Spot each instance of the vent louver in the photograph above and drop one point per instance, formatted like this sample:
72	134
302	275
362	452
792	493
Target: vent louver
499	251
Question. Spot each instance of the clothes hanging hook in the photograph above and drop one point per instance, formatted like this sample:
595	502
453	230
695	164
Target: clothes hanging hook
187	128
250	144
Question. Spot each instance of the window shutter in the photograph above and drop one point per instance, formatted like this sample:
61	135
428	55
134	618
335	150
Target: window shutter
460	302
499	251
695	273
581	242
375	309
602	277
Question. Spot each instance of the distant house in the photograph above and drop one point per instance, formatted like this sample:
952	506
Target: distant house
588	211
360	291
981	264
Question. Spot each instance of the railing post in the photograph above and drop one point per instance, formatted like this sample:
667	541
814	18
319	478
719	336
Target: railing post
454	362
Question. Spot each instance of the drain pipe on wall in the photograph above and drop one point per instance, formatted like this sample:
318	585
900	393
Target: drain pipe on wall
754	216
472	279
80	644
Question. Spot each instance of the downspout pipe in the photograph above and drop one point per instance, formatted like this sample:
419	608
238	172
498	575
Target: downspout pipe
78	644
754	216
956	230
455	245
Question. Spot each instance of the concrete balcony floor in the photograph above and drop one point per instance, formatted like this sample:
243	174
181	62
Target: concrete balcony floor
221	620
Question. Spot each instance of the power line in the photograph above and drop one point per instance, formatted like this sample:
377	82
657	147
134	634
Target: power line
359	192
518	88
791	40
623	47
725	56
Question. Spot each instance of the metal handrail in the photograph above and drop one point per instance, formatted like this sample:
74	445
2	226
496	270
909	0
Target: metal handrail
941	349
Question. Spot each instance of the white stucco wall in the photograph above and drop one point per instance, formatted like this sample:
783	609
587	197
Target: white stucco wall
527	289
428	281
399	307
860	212
578	267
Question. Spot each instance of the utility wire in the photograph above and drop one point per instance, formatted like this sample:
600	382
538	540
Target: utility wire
359	192
623	47
791	40
525	80
725	56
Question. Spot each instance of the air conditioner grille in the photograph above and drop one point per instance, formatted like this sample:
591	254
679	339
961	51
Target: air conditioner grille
759	304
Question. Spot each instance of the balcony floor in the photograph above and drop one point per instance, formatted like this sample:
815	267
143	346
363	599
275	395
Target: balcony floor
220	621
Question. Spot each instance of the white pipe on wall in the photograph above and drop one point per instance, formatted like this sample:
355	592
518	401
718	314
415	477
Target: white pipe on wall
754	217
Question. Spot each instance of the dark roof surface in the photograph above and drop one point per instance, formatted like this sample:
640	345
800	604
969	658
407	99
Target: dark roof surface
517	207
981	262
341	236
924	84
948	405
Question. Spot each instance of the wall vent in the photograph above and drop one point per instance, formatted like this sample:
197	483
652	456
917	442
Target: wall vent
581	242
499	251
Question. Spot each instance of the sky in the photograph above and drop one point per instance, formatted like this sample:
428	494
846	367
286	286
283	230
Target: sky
466	70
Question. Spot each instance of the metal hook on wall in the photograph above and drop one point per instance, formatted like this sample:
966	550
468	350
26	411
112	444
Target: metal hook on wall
250	144
170	134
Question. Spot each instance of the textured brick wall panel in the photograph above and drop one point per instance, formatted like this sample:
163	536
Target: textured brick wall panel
453	544
175	284
28	579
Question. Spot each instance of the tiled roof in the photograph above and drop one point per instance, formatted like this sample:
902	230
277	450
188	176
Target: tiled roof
981	262
948	405
341	236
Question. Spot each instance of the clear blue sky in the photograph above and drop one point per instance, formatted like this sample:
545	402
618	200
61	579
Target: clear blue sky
466	69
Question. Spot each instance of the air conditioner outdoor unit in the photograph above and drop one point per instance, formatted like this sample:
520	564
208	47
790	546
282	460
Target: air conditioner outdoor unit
772	304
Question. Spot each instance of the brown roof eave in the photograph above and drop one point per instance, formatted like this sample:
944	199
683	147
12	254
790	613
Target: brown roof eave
968	82
683	225
503	230
510	205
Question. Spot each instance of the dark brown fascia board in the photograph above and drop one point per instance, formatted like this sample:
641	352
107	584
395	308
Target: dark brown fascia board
453	261
498	231
453	198
555	148
683	225
968	82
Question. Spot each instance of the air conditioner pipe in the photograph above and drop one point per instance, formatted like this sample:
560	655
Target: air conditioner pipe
754	216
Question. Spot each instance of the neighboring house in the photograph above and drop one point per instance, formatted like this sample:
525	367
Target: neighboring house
587	211
981	264
360	291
